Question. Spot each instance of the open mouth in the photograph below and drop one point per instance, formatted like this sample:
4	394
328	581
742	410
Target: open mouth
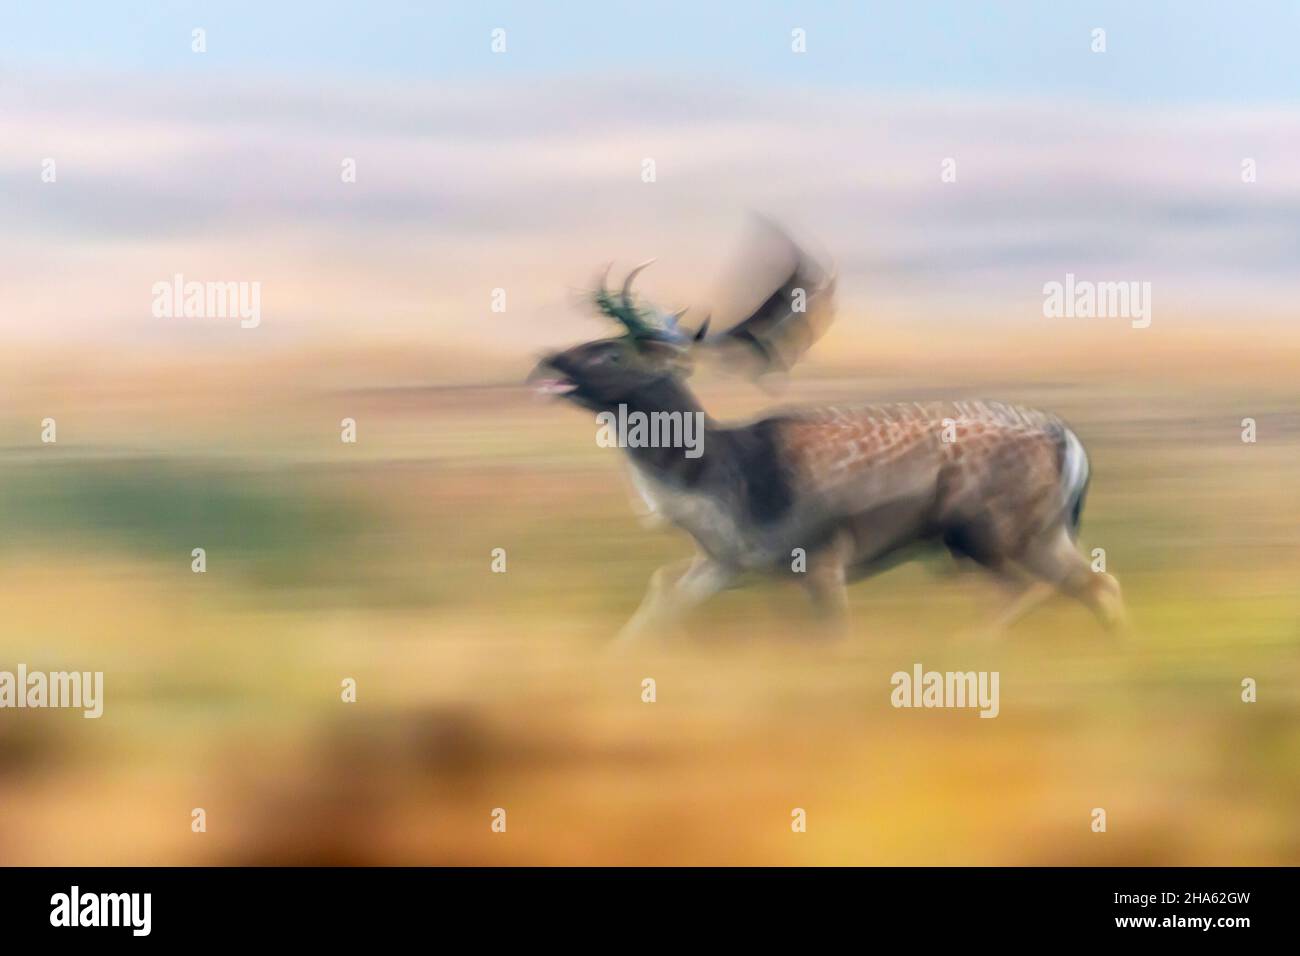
556	386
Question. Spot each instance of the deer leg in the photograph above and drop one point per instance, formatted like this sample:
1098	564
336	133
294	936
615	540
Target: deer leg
825	583
1030	596
1056	560
1101	593
674	589
1024	594
831	600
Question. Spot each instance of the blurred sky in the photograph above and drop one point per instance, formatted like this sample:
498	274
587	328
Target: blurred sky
522	170
1188	51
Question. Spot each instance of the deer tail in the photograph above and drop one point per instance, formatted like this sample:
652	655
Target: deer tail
1075	475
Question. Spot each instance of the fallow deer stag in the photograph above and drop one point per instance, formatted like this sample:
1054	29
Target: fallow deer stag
854	487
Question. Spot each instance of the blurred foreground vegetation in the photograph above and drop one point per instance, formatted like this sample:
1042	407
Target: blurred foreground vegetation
479	690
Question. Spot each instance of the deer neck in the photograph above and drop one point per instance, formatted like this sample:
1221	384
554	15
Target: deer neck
674	463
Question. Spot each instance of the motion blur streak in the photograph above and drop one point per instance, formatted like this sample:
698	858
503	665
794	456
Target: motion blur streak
129	160
478	690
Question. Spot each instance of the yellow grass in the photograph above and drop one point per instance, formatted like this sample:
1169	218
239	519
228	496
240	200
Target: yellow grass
479	690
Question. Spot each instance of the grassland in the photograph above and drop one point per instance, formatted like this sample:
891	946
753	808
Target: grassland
479	690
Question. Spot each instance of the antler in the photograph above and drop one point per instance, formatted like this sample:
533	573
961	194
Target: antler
773	337
623	309
627	283
784	326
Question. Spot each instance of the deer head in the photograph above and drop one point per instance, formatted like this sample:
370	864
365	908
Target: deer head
654	347
605	372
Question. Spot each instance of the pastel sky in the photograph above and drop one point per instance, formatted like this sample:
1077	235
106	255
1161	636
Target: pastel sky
523	170
1163	50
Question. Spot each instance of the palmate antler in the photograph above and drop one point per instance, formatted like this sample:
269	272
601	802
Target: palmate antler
780	331
771	338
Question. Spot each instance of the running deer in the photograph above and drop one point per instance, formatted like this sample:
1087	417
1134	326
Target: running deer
828	495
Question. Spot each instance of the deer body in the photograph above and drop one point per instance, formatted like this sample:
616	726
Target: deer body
848	490
855	488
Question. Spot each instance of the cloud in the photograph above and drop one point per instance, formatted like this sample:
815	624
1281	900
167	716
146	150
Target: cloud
528	185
